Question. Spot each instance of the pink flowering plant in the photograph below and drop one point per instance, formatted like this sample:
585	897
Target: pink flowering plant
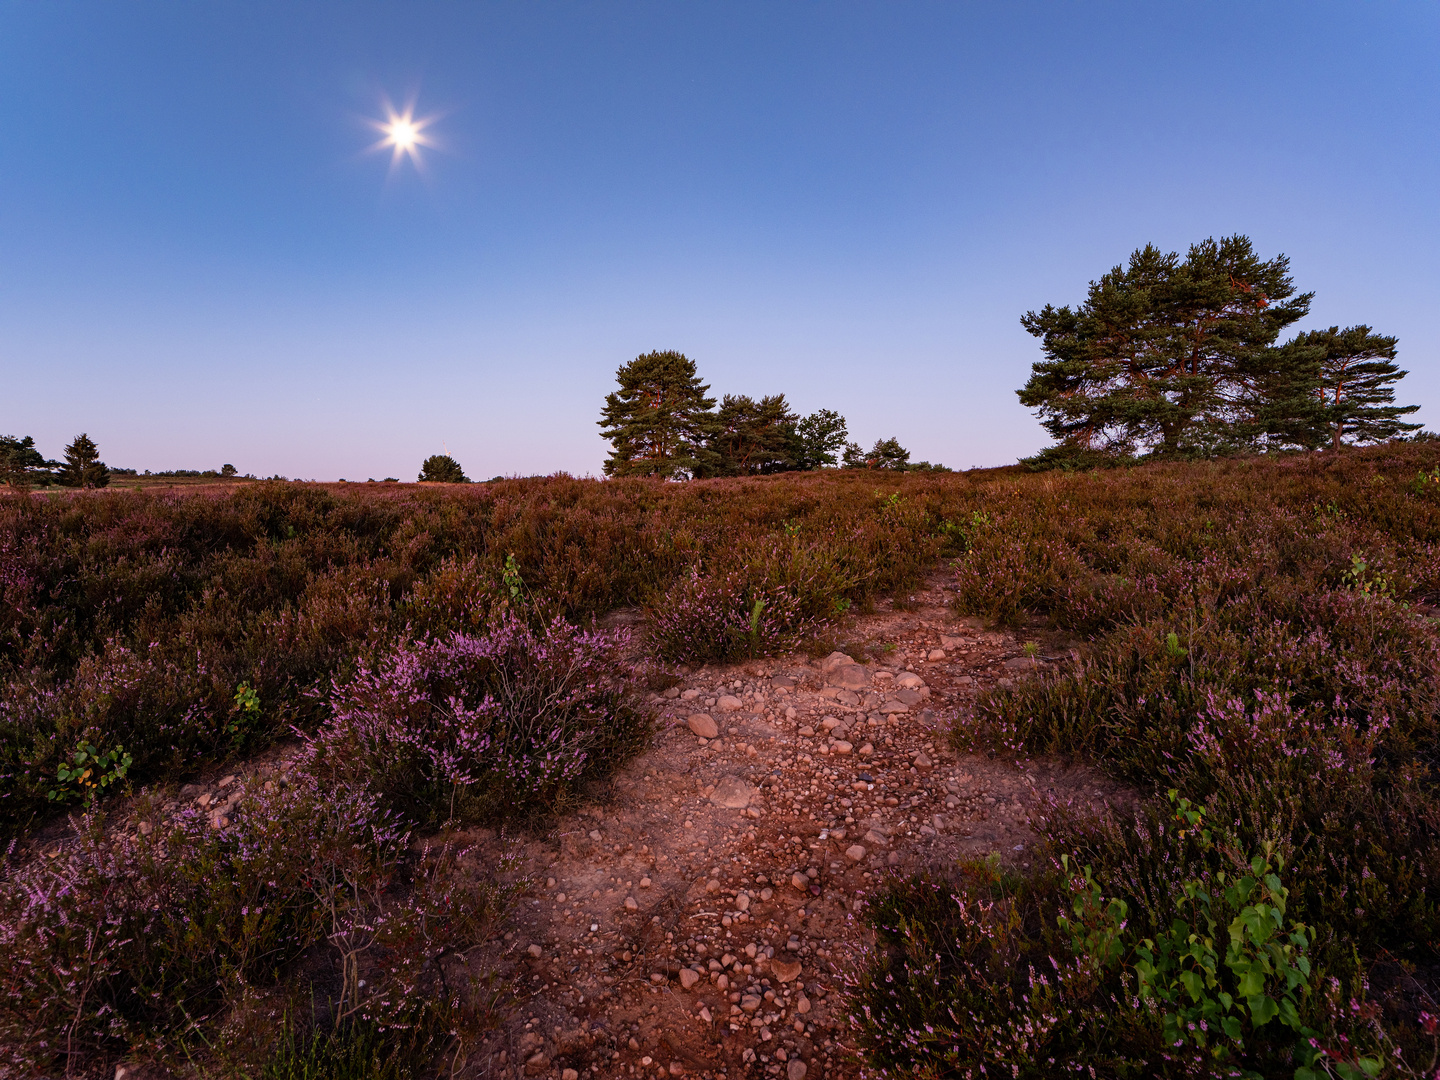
485	726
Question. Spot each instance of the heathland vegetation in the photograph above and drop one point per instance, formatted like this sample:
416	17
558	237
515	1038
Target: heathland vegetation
1255	635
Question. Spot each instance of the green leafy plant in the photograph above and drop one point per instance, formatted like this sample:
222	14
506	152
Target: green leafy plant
1426	481
88	772
1213	981
1031	649
1365	579
1173	648
246	714
513	582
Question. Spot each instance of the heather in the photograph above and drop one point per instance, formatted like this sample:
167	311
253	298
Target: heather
134	619
1251	649
1255	651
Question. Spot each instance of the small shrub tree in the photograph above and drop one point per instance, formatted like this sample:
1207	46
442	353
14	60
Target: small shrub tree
83	467
442	469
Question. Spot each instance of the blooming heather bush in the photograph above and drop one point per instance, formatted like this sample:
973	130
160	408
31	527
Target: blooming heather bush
128	941
504	723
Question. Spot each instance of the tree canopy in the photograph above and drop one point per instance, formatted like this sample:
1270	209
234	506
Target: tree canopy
1166	353
1170	356
442	469
82	466
752	437
1356	380
21	464
659	422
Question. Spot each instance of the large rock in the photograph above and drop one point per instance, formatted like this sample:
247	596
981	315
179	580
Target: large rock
732	793
729	703
849	677
835	660
785	970
909	680
701	724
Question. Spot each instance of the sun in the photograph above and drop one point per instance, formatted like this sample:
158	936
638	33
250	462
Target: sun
404	135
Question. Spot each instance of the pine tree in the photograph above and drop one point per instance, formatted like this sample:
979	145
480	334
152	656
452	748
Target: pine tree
885	454
21	463
1355	391
659	422
753	437
83	467
822	439
1164	355
442	469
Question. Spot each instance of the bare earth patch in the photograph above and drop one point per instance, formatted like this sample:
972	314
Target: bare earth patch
700	920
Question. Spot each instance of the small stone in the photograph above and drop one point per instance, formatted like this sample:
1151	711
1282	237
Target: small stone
146	828
807	731
536	951
689	977
203	800
835	660
713	885
645	883
841	747
893	858
909	680
742	902
800	881
704	1014
795	1070
849	677
703	725
802	1006
594	834
729	703
689	695
936	654
677	1069
855	852
873	837
750	1003
867	749
785	970
732	793
657	977
922	761
893	706
537	1064
631	904
571	1074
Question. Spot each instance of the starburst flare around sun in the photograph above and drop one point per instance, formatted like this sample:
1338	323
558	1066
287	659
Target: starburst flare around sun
403	134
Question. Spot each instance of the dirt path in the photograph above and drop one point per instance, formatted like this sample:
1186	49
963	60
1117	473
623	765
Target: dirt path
700	921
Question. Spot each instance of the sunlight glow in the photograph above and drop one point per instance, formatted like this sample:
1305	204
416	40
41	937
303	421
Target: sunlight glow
403	134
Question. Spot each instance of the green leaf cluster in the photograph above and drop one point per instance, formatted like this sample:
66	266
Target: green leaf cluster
87	772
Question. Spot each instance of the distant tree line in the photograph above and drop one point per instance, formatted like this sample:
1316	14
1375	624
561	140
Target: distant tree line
1172	357
23	466
663	422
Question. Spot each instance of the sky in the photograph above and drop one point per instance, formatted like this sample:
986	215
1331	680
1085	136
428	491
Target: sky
204	260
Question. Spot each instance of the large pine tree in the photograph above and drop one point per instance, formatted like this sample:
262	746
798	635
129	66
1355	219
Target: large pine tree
1165	354
659	422
753	437
1355	391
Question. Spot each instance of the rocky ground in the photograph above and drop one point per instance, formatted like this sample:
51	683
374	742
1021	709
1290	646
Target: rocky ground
701	916
701	921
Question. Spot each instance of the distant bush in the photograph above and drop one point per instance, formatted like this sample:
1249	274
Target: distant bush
442	469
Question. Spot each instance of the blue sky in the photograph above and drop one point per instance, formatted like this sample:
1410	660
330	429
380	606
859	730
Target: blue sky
852	204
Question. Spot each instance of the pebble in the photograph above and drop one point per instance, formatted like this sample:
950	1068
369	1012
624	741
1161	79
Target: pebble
689	977
536	951
800	881
732	793
729	703
795	1070
785	970
631	904
855	852
703	725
